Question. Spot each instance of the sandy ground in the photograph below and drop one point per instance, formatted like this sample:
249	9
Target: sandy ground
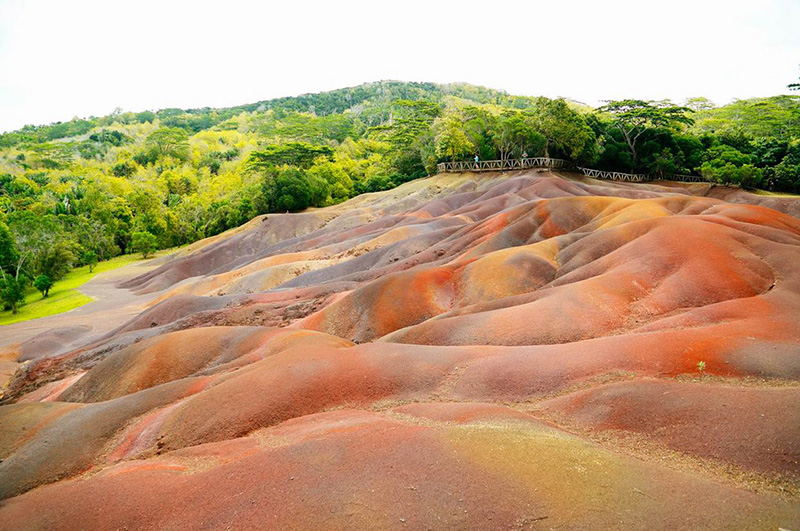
111	307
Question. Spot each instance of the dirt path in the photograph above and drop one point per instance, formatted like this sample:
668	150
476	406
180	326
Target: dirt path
112	306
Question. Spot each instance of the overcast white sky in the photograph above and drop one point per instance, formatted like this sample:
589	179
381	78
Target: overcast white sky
65	58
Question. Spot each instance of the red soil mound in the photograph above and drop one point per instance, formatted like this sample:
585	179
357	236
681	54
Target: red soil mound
357	470
757	429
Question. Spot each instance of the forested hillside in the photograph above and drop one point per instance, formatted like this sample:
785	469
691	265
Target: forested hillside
89	189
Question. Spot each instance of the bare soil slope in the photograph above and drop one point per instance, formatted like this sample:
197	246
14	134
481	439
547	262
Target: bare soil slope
517	351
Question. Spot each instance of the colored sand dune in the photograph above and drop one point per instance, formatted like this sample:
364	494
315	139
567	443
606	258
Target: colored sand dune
515	351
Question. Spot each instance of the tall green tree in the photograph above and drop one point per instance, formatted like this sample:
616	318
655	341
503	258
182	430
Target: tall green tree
299	154
169	142
633	117
564	129
8	250
452	141
35	236
287	190
56	261
12	290
408	132
514	134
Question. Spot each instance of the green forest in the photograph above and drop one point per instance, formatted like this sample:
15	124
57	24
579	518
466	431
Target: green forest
79	192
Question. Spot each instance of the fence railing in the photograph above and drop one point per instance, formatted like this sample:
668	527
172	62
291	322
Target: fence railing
688	178
547	162
615	175
502	165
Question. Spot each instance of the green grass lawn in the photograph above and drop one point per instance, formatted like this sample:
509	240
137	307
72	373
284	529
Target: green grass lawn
64	295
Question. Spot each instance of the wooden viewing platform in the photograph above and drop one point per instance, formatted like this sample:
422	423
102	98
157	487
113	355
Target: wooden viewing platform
547	162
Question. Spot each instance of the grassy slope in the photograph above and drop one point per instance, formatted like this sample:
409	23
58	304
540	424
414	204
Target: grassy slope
64	296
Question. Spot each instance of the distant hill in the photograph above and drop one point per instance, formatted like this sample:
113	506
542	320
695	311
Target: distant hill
88	185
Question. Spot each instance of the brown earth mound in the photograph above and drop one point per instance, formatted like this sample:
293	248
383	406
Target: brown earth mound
516	351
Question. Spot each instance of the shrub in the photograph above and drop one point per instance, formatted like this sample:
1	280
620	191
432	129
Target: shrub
43	283
143	242
90	258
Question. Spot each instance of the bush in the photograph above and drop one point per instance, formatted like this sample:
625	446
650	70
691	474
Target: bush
727	165
89	258
43	283
378	183
143	242
747	175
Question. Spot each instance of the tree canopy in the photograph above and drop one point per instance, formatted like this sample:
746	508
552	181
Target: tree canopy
168	142
299	154
632	118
